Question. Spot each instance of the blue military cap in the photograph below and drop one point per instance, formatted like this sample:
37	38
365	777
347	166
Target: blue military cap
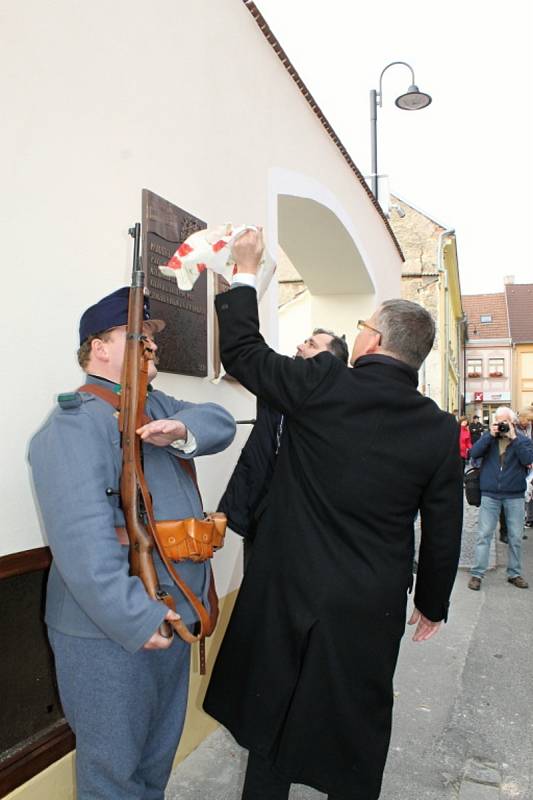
111	311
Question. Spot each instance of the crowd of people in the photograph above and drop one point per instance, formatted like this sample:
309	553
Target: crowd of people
503	453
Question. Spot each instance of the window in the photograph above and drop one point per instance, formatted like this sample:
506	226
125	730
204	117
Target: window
474	367
486	318
496	367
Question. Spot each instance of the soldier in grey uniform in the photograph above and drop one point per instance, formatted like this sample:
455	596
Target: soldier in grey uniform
122	685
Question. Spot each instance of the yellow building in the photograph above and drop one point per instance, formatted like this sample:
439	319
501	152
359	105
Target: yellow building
430	277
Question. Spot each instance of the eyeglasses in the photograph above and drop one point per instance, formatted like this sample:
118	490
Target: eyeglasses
362	324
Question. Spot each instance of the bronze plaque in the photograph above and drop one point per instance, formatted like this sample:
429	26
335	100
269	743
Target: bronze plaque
182	346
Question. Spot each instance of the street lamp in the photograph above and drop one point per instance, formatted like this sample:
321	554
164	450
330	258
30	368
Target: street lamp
412	100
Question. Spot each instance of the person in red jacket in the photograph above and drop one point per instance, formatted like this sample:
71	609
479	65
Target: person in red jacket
465	440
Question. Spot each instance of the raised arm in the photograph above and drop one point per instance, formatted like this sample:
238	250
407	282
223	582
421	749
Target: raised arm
524	447
209	426
480	447
284	383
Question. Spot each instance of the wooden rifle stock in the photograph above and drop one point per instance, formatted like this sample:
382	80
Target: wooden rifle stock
135	497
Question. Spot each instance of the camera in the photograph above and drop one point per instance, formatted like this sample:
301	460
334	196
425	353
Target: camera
503	427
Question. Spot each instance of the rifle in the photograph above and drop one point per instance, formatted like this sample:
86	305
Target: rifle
134	493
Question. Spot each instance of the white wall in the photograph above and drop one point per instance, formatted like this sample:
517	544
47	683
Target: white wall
100	100
295	323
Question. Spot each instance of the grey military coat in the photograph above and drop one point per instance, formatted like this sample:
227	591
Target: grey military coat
75	457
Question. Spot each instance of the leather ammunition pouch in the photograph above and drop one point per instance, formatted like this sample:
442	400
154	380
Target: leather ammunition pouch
192	539
187	539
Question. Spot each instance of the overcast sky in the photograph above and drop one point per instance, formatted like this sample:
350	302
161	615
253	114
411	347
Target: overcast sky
466	160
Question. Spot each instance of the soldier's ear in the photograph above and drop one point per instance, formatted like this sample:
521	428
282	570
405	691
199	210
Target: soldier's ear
99	350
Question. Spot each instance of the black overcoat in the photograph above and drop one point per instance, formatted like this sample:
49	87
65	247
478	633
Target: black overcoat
253	472
304	674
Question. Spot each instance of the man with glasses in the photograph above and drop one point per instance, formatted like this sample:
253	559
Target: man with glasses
303	679
249	484
507	455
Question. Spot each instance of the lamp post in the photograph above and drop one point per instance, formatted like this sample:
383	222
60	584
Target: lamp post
412	100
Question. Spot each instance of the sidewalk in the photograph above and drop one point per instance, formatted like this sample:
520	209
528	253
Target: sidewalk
462	727
490	732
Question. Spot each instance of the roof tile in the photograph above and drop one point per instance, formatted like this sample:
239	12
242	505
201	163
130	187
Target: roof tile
520	308
494	305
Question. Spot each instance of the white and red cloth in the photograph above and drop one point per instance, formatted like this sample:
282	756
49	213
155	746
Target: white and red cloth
212	249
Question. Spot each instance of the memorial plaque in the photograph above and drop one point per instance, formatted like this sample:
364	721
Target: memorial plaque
182	346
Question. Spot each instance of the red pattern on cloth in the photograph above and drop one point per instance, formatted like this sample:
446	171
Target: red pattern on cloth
184	249
212	249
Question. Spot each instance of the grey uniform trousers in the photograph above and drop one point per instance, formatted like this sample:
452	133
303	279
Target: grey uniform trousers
127	711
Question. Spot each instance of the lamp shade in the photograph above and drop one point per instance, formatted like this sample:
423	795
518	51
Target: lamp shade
413	99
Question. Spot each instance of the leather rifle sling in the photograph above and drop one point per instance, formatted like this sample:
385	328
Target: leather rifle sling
206	628
205	623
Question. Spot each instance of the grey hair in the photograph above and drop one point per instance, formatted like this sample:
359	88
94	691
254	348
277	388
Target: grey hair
407	330
337	346
507	412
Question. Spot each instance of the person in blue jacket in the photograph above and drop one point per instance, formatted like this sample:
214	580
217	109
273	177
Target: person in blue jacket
506	455
122	685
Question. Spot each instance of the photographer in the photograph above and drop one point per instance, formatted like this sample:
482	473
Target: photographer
506	454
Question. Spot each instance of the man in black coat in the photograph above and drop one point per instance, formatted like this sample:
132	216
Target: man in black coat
476	429
249	484
304	675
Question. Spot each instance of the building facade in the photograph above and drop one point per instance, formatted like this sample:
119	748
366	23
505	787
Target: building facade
488	355
519	300
499	350
430	276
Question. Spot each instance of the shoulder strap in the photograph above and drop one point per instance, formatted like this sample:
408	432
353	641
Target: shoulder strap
114	400
106	394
